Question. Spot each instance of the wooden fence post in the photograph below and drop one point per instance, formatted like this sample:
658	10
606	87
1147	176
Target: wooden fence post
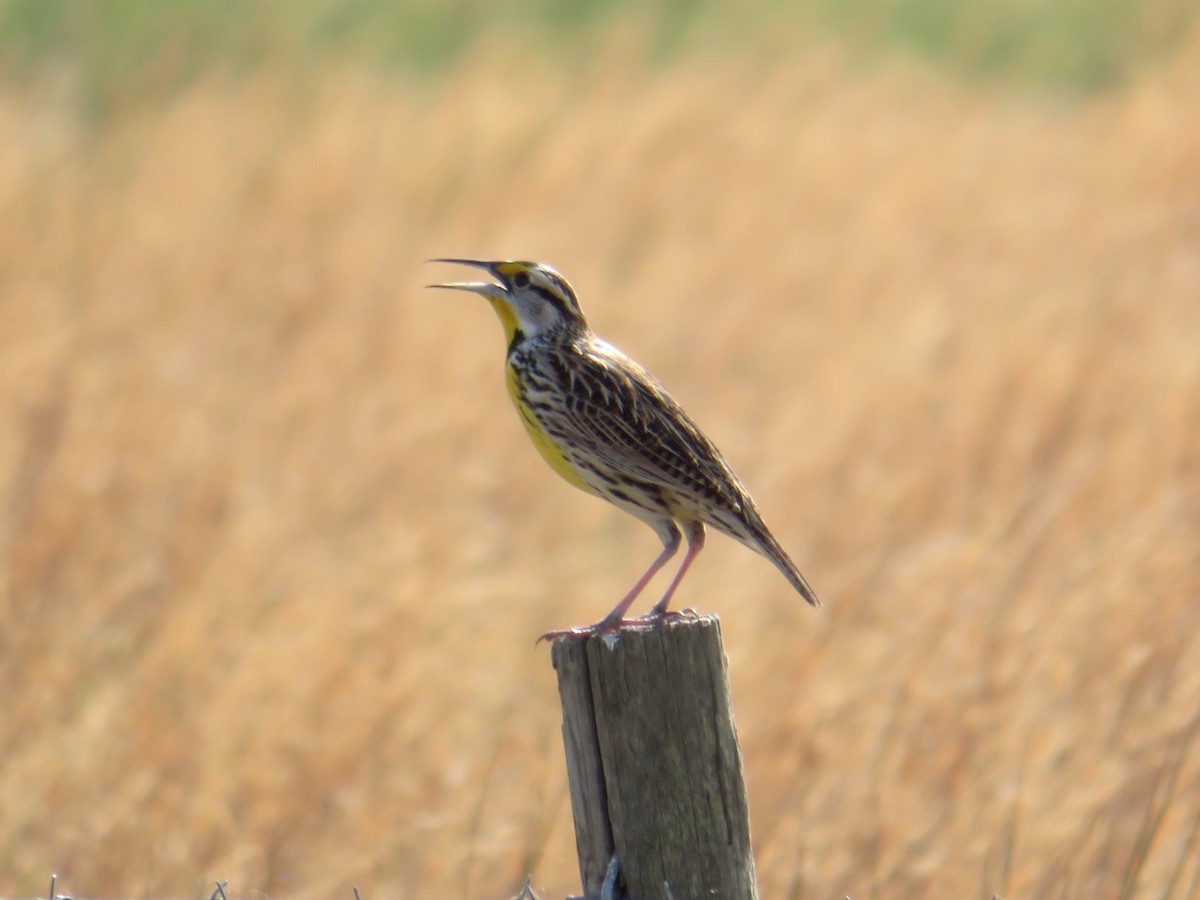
653	761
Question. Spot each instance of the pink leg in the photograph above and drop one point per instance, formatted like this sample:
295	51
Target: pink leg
670	537
695	545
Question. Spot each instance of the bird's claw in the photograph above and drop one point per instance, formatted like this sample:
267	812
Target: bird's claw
612	629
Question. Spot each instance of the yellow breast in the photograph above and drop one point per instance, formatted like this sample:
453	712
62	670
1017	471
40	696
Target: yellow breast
545	445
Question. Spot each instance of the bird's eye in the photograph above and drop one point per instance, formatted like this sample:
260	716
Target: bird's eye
521	280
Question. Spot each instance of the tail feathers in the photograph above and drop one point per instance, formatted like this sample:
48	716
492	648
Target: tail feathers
771	550
750	530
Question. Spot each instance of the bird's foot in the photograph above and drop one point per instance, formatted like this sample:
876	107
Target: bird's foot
610	626
657	616
579	631
606	625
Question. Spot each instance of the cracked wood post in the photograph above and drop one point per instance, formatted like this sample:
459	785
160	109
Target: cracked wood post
653	762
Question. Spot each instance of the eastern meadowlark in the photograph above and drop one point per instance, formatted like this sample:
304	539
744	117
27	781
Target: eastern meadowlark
607	426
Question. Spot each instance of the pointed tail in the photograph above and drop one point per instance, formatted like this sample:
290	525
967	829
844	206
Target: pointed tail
769	547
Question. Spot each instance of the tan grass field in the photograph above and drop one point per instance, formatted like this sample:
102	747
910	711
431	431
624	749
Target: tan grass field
275	547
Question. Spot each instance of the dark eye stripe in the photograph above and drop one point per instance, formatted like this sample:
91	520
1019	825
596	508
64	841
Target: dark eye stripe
552	298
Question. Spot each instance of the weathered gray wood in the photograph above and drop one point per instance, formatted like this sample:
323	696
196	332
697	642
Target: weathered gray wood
653	760
585	775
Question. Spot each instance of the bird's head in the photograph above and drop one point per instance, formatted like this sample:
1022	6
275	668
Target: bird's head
530	298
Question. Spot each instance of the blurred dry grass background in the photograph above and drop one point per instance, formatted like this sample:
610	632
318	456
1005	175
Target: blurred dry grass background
275	547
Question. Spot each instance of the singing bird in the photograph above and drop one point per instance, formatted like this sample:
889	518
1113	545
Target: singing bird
608	427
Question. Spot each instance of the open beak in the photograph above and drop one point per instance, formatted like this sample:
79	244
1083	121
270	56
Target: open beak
484	288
